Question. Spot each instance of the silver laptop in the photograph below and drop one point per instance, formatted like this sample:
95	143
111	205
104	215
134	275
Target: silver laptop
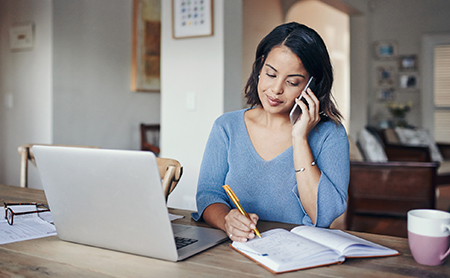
114	199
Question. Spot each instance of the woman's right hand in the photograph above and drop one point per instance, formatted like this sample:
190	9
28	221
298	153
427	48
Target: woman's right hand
238	227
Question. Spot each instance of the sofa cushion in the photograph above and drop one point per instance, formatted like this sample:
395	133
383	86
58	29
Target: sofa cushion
355	153
371	147
419	137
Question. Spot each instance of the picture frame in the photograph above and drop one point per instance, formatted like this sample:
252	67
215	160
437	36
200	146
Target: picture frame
409	80
385	49
408	63
386	75
146	49
386	94
21	37
192	18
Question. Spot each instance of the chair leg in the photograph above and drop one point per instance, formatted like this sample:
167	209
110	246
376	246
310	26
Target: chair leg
24	167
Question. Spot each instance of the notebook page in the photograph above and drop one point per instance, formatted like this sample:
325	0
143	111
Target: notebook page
345	243
280	248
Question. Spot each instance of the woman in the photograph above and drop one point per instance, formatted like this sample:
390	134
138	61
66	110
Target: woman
280	172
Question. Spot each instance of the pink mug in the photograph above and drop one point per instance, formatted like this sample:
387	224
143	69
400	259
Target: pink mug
429	235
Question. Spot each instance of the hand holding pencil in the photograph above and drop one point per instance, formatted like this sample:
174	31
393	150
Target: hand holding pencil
235	200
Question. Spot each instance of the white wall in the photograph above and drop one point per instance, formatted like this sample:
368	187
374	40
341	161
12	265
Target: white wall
25	84
74	86
194	67
93	102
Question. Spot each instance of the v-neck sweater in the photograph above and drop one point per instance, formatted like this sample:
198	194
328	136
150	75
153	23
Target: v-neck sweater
269	188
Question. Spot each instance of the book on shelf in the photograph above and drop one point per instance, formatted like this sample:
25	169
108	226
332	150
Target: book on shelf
303	247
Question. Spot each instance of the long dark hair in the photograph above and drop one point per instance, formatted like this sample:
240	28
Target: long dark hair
310	48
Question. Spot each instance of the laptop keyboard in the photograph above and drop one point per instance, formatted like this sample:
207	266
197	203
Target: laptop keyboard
183	241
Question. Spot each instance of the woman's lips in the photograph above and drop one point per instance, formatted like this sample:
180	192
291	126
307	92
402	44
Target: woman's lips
273	101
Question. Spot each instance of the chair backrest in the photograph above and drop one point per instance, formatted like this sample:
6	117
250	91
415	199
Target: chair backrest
396	151
381	194
170	170
150	137
26	154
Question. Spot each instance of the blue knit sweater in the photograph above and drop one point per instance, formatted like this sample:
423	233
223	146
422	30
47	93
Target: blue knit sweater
269	188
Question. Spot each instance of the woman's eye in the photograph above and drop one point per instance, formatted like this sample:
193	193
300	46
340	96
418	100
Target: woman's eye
293	83
270	75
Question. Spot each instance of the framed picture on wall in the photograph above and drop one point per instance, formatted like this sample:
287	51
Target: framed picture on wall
409	80
192	18
386	75
385	94
408	62
385	49
21	37
146	51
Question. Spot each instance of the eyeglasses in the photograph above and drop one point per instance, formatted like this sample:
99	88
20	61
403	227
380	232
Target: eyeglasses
9	213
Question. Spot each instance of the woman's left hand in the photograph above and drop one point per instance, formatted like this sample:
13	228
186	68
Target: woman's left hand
309	117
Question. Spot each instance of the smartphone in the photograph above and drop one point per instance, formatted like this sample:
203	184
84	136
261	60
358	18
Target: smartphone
296	111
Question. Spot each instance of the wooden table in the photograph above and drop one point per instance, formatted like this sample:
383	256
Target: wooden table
52	257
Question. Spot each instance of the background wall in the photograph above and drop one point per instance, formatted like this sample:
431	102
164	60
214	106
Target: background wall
25	84
255	27
92	100
74	86
199	70
405	22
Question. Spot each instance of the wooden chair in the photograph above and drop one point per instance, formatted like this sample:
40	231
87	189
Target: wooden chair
381	194
26	154
150	138
169	169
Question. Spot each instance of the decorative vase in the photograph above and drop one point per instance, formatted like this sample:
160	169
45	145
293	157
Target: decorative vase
400	121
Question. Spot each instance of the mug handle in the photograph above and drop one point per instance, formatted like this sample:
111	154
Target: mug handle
445	227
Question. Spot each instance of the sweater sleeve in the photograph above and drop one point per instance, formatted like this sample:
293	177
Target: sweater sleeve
332	158
213	171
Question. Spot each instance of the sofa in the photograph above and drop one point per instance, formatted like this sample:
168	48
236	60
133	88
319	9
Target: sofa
400	143
385	184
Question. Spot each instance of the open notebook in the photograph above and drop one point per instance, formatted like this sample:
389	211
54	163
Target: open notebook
304	247
113	199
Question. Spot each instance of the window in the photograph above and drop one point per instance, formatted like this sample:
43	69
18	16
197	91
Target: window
441	85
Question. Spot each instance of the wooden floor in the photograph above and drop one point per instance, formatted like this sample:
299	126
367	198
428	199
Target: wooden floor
442	203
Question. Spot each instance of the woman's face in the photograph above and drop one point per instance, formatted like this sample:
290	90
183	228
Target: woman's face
282	79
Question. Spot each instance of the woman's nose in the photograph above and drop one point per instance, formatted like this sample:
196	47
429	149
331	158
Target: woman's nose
277	87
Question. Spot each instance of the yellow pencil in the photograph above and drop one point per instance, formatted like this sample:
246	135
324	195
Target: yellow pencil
238	205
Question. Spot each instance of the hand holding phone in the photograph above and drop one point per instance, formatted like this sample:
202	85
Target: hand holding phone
296	111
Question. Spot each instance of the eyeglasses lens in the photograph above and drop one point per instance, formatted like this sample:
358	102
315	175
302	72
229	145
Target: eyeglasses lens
9	216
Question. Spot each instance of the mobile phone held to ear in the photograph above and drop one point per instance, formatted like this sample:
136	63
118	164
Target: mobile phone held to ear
296	111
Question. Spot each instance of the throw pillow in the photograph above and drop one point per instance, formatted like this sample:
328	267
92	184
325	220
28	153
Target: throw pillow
419	137
372	149
355	153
